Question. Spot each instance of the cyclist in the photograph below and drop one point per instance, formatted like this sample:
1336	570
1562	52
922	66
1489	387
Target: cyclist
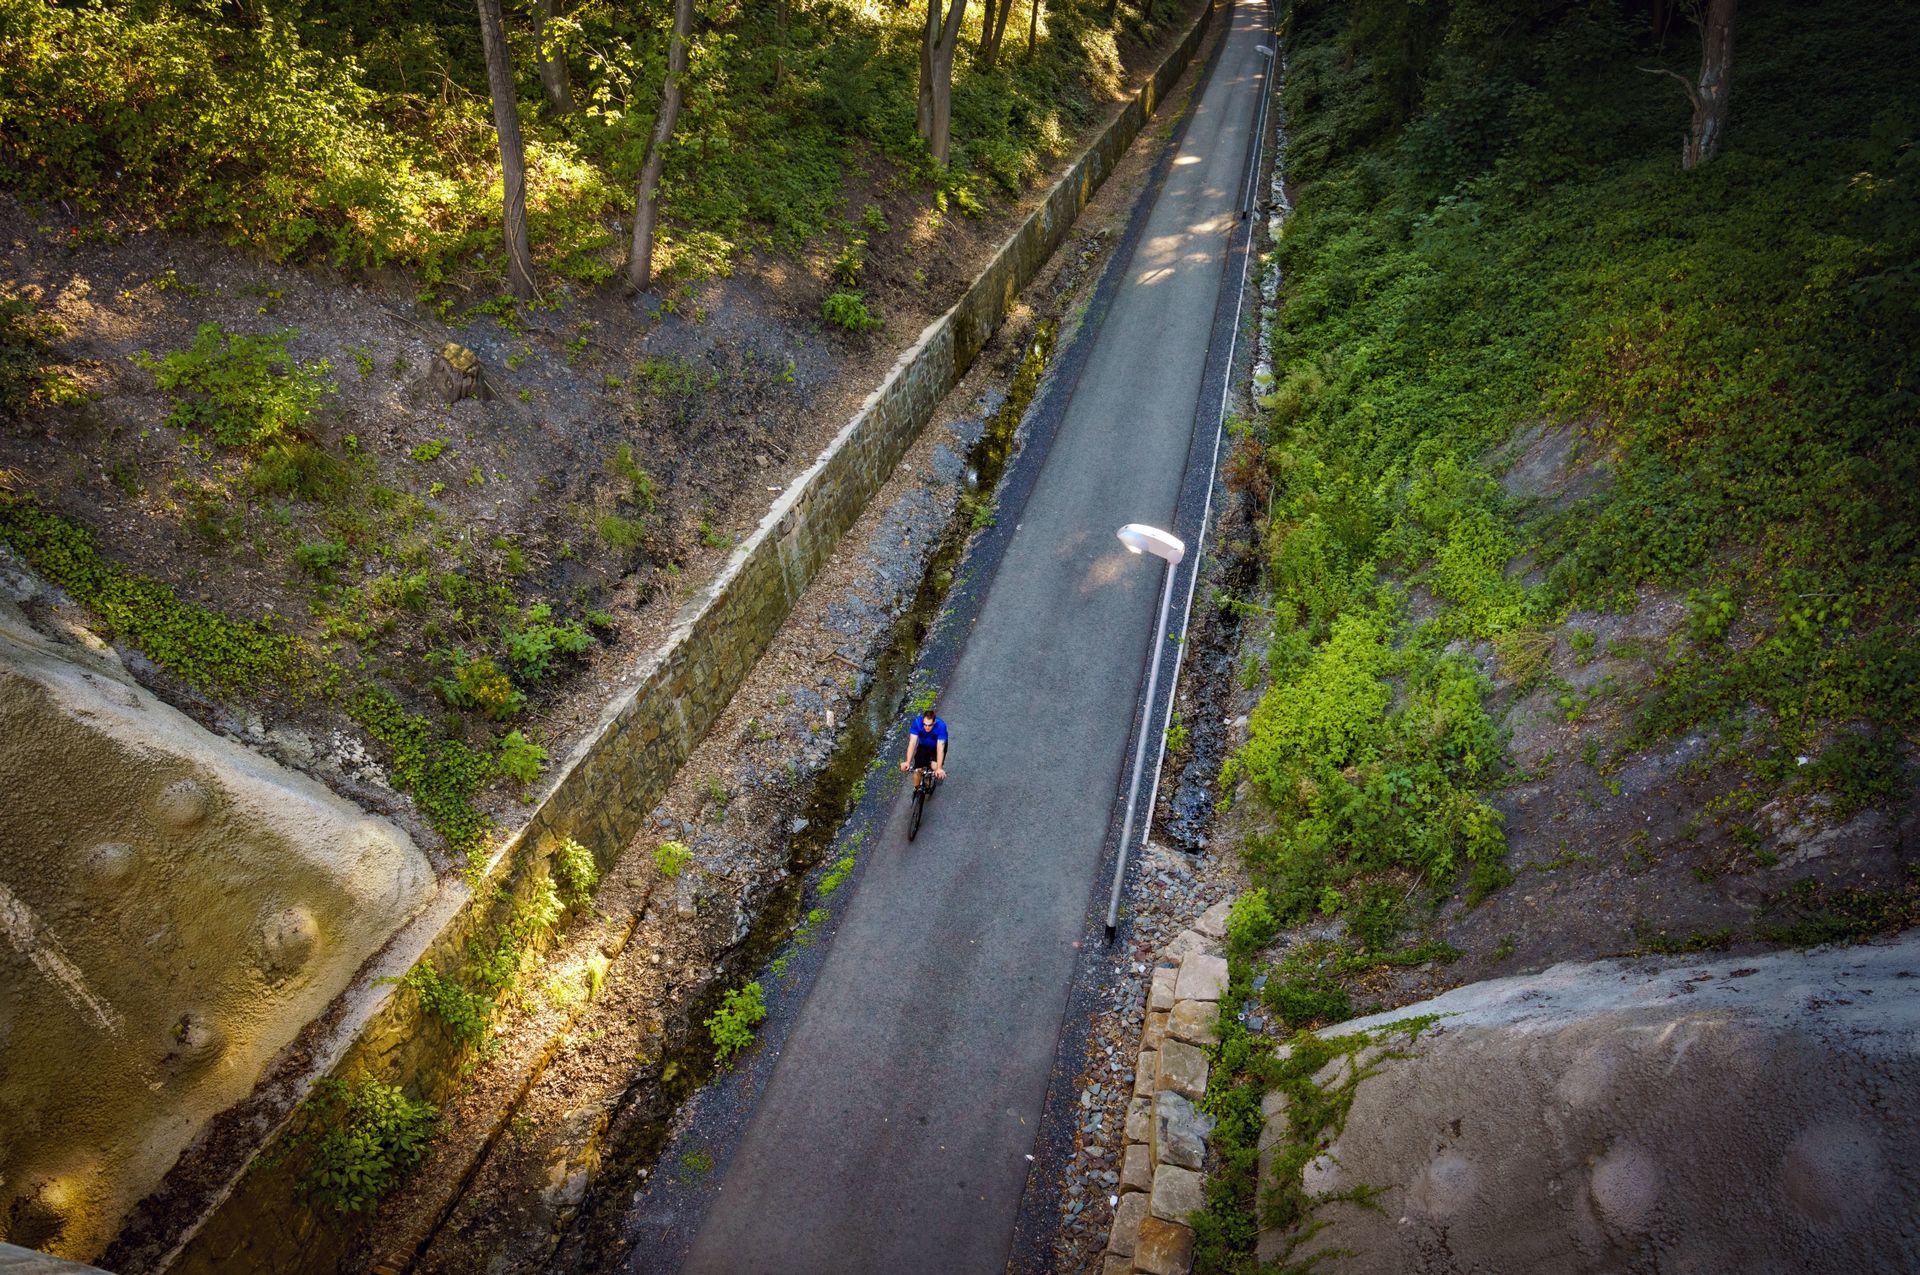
927	743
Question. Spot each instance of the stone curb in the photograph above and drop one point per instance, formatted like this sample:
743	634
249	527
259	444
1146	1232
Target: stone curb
1162	1181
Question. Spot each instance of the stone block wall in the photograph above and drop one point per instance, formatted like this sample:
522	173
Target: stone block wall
601	794
1161	1179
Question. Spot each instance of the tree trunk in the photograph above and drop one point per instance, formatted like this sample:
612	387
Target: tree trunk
513	158
993	30
1710	95
935	114
1033	28
553	69
646	200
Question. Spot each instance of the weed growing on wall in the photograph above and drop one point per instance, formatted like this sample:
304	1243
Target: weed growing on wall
361	1140
575	872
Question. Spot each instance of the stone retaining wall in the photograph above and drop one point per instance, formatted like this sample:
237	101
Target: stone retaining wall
1161	1182
603	791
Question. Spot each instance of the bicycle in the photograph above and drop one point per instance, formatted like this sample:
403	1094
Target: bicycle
923	786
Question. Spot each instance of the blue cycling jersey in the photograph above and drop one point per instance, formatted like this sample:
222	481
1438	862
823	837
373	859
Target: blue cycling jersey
922	735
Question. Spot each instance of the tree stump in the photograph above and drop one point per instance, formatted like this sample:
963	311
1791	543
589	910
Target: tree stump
456	374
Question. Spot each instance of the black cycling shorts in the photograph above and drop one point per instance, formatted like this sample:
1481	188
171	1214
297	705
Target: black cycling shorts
923	754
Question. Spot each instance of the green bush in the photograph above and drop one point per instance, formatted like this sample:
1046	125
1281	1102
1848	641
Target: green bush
1250	923
535	639
243	390
520	758
478	683
672	858
848	309
731	1026
321	558
576	872
362	1139
441	774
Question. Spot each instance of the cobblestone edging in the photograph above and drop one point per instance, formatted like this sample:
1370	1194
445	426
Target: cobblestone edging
602	793
1161	1174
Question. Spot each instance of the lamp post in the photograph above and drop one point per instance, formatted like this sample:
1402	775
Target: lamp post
1140	538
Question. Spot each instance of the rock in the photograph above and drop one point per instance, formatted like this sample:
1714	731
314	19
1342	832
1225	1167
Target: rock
1273	1113
797	827
1193	1022
1213	922
1164	1248
1155	1031
1147	1074
1180	1132
1139	1120
1186	942
1136	1171
1116	1264
1202	978
1182	1068
1177	1192
1127	1217
1162	997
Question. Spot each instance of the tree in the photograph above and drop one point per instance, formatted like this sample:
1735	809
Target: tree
553	66
1709	94
936	76
646	200
993	28
1033	27
513	157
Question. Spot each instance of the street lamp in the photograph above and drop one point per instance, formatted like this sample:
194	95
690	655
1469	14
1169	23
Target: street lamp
1140	538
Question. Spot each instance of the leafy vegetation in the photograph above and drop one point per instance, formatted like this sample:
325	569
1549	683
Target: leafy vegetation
201	647
1493	229
575	872
672	858
848	309
362	1139
360	134
26	349
731	1026
439	772
1494	247
242	389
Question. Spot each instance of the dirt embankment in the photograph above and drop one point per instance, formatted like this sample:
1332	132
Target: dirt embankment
625	446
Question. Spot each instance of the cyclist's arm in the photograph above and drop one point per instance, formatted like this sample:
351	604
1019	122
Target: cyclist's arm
940	754
913	740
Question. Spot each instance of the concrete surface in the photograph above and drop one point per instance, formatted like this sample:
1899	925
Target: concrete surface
894	1132
173	910
1752	1116
26	1261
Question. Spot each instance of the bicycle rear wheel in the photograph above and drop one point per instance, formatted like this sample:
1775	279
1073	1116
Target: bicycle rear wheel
920	787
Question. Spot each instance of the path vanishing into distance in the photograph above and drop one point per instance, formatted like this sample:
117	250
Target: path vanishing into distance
894	1133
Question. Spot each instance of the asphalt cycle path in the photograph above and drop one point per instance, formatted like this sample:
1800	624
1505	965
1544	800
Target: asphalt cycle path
894	1132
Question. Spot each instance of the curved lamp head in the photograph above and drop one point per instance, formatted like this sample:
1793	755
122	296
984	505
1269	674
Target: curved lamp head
1140	538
